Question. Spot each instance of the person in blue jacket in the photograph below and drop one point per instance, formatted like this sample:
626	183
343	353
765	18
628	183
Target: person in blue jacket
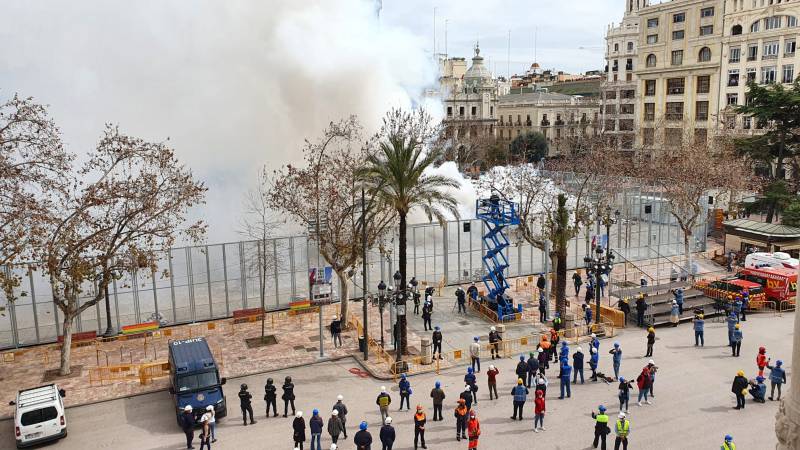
405	392
577	365
616	353
736	345
520	394
471	381
315	424
587	311
595	342
566	373
745	304
593	360
732	321
699	328
758	390
679	299
777	376
737	307
563	352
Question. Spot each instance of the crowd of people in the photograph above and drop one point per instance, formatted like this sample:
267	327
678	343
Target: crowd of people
529	381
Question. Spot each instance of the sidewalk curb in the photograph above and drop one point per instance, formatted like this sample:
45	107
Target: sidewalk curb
123	397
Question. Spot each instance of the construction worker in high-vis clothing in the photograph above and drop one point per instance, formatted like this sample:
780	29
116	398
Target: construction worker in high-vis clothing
601	429
728	444
623	428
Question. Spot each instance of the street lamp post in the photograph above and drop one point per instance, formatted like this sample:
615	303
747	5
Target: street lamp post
381	303
596	266
400	301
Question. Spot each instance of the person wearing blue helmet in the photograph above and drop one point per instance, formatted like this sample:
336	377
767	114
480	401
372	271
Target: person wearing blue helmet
363	439
405	392
563	352
732	321
315	424
728	444
624	393
565	375
437	394
471	381
601	428
616	353
777	376
758	389
475	354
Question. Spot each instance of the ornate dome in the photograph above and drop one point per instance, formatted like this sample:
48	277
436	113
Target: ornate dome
478	74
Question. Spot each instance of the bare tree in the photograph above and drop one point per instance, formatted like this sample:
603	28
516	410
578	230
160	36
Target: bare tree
687	170
325	191
34	172
555	204
126	209
259	224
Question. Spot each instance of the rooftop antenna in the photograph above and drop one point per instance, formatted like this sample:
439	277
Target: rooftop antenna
508	57
445	38
535	43
434	32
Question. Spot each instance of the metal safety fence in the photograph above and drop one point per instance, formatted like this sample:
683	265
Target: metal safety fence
209	282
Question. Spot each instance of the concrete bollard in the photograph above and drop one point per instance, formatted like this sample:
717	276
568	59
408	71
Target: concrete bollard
427	350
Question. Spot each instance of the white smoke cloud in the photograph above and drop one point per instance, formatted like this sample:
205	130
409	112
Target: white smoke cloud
234	84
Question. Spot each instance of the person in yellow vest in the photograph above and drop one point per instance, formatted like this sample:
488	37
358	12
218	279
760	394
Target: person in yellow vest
623	428
728	444
601	429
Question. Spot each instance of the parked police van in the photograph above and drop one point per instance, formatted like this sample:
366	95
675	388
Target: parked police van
194	378
39	416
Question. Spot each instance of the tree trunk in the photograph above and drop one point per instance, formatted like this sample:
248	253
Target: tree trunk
66	347
561	281
401	323
770	211
344	296
687	252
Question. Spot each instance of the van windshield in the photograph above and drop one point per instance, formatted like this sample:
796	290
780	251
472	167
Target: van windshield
38	416
196	381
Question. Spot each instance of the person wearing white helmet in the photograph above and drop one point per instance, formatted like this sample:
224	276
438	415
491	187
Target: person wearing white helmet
416	300
494	342
333	446
387	435
383	401
341	410
299	429
187	425
210	415
335	426
461	300
623	429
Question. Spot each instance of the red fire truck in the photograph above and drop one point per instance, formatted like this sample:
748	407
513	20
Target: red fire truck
780	284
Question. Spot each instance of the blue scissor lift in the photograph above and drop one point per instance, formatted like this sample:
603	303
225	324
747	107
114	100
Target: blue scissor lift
497	214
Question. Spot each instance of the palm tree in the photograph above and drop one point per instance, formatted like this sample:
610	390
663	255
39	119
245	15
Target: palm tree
394	174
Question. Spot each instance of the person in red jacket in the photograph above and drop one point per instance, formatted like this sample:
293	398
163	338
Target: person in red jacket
761	360
473	429
643	383
492	374
539	411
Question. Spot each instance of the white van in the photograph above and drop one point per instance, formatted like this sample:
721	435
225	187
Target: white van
39	416
762	259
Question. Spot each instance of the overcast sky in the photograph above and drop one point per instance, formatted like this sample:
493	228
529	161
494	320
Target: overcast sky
563	27
239	84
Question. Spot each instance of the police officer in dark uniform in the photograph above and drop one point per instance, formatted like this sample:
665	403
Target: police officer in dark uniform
461	300
244	403
437	341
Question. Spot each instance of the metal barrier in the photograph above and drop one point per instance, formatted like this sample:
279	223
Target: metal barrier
149	371
113	373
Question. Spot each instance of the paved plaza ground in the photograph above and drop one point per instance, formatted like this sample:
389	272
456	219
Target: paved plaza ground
692	407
